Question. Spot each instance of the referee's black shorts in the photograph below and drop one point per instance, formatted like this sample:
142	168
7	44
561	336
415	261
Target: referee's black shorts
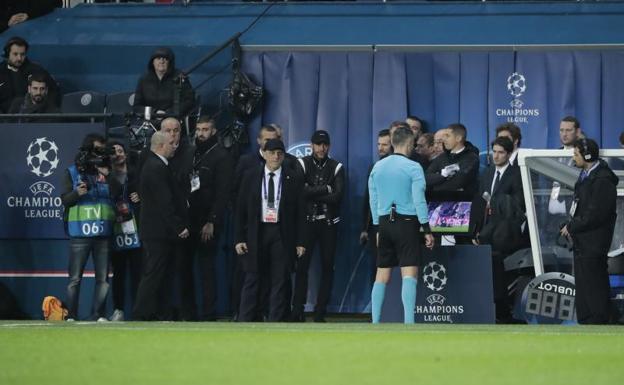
399	241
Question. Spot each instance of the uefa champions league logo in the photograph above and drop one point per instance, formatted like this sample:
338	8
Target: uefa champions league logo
516	84
434	276
42	157
518	113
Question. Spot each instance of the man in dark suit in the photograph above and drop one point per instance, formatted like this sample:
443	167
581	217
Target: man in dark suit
245	163
497	215
161	224
269	230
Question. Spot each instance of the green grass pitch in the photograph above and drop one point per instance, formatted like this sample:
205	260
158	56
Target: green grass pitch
299	354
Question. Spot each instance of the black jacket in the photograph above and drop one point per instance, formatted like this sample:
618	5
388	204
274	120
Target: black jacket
317	176
24	105
593	222
181	166
161	209
215	168
500	226
248	213
463	185
15	84
367	217
159	93
416	157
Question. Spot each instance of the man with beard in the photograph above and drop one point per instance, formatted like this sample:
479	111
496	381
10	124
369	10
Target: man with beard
369	231
210	188
591	224
15	72
36	101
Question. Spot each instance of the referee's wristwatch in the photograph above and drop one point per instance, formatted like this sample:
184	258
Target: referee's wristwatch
426	229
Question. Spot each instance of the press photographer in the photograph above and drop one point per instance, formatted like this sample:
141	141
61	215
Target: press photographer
89	215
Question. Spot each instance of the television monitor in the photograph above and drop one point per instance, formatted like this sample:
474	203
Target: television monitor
449	217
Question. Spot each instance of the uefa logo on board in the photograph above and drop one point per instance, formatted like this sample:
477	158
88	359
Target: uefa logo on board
42	157
517	112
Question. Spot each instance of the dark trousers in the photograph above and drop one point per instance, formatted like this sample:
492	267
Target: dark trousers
184	280
499	281
155	269
206	255
592	290
125	263
272	272
325	235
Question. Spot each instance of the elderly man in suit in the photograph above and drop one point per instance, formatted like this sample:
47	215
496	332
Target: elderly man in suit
161	223
269	232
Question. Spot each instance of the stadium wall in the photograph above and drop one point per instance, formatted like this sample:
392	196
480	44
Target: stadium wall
346	65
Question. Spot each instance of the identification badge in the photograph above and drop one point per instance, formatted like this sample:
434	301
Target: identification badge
195	182
270	215
573	208
128	227
554	193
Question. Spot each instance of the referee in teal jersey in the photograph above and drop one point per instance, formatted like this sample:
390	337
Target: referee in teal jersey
397	200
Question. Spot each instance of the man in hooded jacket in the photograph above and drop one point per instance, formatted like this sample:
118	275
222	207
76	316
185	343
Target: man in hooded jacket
591	224
157	87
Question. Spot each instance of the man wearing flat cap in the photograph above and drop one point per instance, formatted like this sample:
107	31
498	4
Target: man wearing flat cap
324	183
269	228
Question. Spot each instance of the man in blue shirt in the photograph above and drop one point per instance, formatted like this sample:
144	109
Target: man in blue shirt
397	199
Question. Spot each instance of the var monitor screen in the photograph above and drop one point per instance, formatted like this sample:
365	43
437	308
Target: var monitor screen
449	217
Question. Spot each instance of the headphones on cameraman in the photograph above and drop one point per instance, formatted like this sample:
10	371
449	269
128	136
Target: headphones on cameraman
15	40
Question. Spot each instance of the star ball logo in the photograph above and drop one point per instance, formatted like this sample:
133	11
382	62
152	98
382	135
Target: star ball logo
435	278
42	157
517	86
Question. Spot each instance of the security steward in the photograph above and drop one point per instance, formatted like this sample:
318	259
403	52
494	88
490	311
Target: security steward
397	201
211	178
323	190
591	225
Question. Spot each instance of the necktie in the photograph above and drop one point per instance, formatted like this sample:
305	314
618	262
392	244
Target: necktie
582	176
271	198
496	180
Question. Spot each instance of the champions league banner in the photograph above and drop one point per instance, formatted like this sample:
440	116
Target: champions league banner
32	170
353	95
454	286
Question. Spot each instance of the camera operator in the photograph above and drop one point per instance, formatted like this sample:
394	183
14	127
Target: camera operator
591	224
89	215
127	248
